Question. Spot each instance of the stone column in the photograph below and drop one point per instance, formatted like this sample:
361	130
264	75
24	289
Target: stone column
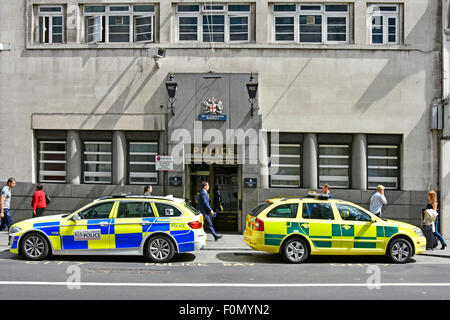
73	157
310	165
359	162
119	158
263	151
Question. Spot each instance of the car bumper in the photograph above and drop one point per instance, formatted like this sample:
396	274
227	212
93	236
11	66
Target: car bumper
199	239
420	244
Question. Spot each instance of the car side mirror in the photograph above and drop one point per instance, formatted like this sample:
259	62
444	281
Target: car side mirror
75	217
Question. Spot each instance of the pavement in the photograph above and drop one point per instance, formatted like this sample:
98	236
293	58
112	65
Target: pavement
233	241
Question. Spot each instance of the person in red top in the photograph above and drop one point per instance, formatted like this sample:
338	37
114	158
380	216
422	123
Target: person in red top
38	203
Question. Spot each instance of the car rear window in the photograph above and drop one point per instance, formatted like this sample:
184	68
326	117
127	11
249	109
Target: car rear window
259	208
192	209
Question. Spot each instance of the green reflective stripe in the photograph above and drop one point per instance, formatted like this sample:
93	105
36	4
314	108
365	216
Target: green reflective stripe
365	245
296	227
348	233
336	230
390	231
320	237
380	231
322	244
365	238
273	239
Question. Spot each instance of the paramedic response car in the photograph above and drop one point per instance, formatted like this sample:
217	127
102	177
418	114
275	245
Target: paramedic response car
316	225
156	227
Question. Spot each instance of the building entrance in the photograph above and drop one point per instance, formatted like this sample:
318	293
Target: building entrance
223	179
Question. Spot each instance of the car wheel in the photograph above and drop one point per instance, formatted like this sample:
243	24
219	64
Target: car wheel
35	247
295	250
400	251
159	249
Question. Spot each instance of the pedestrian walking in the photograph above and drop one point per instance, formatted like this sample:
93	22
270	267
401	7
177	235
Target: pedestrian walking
377	201
218	201
148	190
205	208
5	204
39	201
433	205
326	190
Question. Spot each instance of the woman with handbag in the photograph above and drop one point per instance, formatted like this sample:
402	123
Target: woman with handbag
433	205
39	202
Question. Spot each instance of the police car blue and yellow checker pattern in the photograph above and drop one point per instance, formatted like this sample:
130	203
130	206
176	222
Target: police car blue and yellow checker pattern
113	234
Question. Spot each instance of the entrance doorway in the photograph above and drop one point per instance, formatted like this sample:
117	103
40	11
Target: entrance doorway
226	177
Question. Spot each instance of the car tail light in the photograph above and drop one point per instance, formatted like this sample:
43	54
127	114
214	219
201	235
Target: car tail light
195	224
258	225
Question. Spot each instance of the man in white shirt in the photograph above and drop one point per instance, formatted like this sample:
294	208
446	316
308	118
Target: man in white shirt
377	200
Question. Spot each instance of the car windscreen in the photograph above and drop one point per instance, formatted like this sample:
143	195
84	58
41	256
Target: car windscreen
191	208
259	208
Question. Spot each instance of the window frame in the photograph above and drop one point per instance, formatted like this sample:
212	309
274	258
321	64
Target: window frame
84	161
40	162
156	203
201	13
285	177
299	12
149	203
306	203
384	180
330	179
50	15
129	162
96	205
371	13
105	25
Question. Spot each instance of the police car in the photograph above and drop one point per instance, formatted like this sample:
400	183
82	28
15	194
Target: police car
156	227
317	225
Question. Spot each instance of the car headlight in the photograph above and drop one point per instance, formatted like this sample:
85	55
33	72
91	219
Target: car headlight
14	230
418	232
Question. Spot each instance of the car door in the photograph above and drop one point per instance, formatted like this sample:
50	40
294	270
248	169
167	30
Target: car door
280	221
91	231
132	220
359	233
319	222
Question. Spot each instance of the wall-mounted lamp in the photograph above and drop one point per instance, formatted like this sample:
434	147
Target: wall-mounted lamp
252	88
171	87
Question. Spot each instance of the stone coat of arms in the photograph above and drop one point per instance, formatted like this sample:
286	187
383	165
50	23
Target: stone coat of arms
212	106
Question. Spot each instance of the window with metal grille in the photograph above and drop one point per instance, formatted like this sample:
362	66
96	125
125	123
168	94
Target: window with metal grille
142	162
52	161
383	166
97	162
285	168
334	165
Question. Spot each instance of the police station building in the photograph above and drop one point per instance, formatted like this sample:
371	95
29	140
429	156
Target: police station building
261	98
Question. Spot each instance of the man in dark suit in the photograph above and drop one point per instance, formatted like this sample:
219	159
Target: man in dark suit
205	208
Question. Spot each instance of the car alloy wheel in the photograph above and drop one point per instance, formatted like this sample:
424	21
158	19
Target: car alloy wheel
160	249
35	247
400	251
295	251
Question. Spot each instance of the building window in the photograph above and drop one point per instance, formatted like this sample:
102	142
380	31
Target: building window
52	161
311	23
285	165
97	162
142	162
384	24
119	23
383	166
214	22
334	165
51	24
